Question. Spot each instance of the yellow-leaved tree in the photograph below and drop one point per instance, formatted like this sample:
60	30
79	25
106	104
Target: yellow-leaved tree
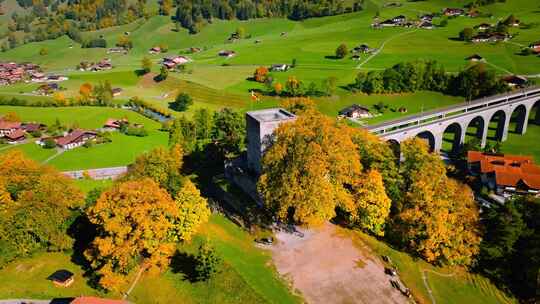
307	168
138	225
372	205
439	217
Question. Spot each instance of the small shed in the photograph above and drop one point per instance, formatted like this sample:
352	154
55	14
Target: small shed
62	278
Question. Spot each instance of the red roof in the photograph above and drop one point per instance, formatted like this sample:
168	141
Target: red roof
8	125
509	170
73	137
95	300
15	135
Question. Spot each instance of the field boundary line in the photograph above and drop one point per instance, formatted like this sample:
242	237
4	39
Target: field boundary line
426	284
382	47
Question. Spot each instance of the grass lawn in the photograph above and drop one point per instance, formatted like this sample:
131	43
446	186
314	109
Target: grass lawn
246	277
86	185
527	144
449	284
31	150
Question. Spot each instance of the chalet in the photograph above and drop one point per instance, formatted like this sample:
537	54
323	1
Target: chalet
363	48
355	111
399	19
450	12
114	124
496	37
154	50
95	300
355	57
172	61
16	136
483	26
117	92
75	139
427	17
506	174
387	23
47	89
227	53
428	25
515	81
30	127
55	78
475	58
279	67
117	50
62	278
8	127
105	64
37	77
482	37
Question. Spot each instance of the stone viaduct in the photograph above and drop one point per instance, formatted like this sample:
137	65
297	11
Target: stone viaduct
473	118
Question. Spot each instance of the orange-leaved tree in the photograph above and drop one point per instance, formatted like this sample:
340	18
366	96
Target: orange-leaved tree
260	74
439	217
297	105
307	168
372	205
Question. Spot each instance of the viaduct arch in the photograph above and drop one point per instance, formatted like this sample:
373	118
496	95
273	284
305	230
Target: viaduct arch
493	117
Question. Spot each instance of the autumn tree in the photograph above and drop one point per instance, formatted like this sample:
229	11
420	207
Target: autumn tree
37	205
439	218
294	86
11	116
135	227
146	65
297	105
86	90
193	211
307	169
165	7
278	88
162	165
260	74
372	205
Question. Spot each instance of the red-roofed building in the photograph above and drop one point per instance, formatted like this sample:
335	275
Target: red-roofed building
114	124
8	127
95	300
506	174
75	139
16	136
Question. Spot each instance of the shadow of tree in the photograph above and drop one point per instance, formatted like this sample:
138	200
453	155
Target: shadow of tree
184	263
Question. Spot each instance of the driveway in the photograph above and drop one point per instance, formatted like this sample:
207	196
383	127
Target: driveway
327	268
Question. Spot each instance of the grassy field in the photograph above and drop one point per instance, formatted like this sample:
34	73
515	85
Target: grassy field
449	285
246	277
120	152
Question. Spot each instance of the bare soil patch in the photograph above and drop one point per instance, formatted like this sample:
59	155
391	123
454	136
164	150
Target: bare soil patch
327	268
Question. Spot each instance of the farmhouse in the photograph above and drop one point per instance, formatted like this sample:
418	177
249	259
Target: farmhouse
355	111
172	61
515	81
493	37
8	127
117	92
75	139
475	58
47	89
227	53
113	124
427	17
279	67
453	12
154	50
506	174
387	23
426	25
399	19
30	127
364	48
483	26
16	136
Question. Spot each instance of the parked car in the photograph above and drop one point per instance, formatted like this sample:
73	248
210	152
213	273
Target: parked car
390	271
265	241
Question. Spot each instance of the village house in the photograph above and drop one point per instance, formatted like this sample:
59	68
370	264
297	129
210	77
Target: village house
8	127
30	127
483	26
117	92
75	139
450	12
399	19
47	89
113	124
355	111
428	25
154	50
535	46
279	67
15	137
355	57
227	53
171	62
515	81
475	58
11	72
505	174
427	17
62	278
37	77
492	37
364	48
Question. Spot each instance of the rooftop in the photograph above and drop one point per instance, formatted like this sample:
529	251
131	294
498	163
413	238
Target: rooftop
268	115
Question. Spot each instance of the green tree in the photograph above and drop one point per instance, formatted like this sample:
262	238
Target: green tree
241	32
146	65
163	73
182	132
341	51
203	123
466	34
229	132
208	262
181	102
